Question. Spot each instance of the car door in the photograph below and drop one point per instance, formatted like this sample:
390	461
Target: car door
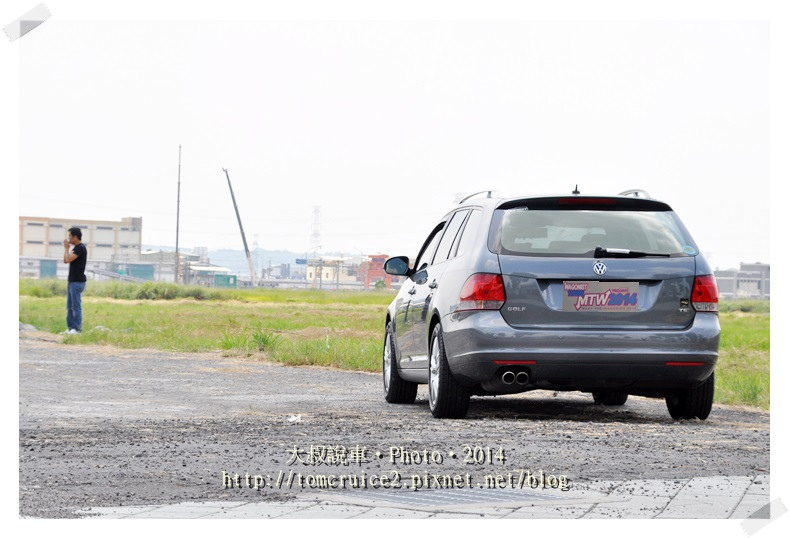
402	337
426	282
403	305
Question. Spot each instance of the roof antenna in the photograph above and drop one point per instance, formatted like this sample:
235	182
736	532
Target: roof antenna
576	190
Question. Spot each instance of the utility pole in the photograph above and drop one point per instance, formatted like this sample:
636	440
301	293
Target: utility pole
243	238
178	215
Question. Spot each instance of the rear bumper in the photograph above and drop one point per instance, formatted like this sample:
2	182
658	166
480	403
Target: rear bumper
481	346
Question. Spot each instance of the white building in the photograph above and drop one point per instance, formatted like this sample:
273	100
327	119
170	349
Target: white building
106	240
333	273
751	281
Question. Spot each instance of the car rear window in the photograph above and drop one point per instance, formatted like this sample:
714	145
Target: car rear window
542	232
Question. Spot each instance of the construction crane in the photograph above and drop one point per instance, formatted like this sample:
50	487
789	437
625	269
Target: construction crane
243	238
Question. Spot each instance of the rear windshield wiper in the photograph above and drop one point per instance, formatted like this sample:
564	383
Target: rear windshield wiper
601	252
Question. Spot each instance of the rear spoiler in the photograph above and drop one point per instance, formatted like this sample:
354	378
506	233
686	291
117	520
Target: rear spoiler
593	203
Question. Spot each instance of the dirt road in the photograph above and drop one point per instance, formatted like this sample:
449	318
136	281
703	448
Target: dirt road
111	427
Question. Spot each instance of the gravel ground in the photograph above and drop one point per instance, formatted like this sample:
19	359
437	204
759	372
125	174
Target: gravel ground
110	427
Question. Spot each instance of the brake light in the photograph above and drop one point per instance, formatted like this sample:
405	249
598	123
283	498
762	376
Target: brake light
586	201
705	294
482	291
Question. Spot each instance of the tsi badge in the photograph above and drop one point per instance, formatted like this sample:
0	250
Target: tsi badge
599	268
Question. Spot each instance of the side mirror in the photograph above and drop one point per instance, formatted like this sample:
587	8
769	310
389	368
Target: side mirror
398	266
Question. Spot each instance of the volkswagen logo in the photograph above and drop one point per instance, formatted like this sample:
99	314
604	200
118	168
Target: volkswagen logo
599	268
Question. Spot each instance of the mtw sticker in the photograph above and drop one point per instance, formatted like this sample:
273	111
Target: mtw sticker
593	296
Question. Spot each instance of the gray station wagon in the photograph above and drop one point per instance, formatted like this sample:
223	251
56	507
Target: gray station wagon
602	294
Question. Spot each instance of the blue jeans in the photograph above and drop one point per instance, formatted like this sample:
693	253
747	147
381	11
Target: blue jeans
74	305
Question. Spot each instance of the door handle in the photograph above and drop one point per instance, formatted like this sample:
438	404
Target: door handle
413	290
433	285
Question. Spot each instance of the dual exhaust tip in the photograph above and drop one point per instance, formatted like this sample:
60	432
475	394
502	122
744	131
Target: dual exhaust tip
510	377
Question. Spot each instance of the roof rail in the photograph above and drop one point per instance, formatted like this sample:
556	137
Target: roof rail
487	193
636	193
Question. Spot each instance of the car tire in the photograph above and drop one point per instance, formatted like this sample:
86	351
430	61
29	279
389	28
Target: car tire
610	397
692	403
446	397
396	390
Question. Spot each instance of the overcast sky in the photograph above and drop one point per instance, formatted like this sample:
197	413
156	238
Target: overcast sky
382	123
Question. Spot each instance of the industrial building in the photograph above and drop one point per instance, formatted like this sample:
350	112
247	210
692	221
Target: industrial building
362	272
106	240
114	252
113	247
751	281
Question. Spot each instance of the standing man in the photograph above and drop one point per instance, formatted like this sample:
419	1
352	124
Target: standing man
76	259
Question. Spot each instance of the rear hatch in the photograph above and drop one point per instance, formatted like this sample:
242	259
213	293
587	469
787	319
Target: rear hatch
594	263
636	293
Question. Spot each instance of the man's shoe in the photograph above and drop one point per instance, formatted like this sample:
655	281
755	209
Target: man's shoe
72	331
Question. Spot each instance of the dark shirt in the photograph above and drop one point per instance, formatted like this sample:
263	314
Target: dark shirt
77	267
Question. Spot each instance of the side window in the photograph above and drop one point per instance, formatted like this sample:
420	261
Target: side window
427	252
469	232
443	252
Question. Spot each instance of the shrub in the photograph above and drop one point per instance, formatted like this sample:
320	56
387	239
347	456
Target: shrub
263	341
745	305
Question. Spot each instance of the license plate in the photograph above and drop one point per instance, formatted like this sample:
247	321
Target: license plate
594	296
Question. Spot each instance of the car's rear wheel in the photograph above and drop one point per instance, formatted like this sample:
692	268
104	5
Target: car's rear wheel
396	390
610	397
446	397
696	402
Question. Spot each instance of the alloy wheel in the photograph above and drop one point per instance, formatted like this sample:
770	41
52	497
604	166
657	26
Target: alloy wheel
433	375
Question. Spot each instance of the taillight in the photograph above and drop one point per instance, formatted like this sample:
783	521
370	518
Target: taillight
705	294
482	291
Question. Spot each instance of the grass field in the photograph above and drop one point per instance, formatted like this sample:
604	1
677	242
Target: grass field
339	329
327	328
743	371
